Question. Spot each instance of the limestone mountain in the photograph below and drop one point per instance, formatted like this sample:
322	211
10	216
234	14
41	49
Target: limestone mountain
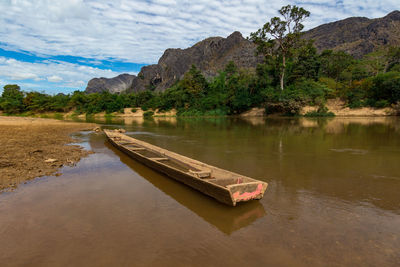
209	55
114	85
357	35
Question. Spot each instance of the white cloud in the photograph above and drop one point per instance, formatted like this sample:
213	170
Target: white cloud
139	31
62	74
54	79
135	31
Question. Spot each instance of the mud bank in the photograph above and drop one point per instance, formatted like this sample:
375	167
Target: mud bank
34	147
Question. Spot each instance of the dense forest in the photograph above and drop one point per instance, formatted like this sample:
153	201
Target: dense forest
293	75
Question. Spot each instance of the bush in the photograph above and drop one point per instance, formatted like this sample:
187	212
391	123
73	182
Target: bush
357	92
381	103
356	104
199	113
148	114
307	92
321	112
134	110
58	116
396	108
386	86
285	107
12	99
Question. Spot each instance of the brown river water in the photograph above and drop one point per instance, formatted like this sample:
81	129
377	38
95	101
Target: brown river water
333	199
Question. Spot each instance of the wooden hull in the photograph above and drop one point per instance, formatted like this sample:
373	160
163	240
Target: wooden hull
224	186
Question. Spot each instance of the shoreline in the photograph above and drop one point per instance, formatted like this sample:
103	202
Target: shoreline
338	111
36	147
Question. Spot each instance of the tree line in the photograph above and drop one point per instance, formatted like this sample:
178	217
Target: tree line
292	75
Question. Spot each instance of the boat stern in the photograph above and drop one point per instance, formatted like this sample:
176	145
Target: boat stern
247	191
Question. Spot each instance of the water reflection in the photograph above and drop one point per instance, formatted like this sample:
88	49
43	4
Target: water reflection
226	219
353	159
332	199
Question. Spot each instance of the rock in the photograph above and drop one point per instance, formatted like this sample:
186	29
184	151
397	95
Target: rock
97	129
357	35
113	85
50	160
210	56
120	130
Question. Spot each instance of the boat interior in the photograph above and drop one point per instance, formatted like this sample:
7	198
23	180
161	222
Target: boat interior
182	166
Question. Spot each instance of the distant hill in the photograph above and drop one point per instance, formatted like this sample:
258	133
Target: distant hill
114	85
357	36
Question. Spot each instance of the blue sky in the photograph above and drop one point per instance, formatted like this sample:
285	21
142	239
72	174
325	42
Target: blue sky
58	45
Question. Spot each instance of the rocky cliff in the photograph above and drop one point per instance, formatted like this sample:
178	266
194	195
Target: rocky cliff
357	35
209	55
113	85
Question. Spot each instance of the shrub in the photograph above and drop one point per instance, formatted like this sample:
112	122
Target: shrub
322	111
58	116
357	92
285	107
386	86
306	92
148	114
198	113
381	103
356	104
396	108
12	99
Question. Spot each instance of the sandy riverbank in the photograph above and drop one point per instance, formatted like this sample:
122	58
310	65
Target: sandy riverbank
34	147
336	106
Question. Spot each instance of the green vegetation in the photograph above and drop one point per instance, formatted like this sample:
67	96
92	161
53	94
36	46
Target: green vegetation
322	111
12	98
292	75
148	114
286	35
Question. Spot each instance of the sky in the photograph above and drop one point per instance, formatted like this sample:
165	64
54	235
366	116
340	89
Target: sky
55	46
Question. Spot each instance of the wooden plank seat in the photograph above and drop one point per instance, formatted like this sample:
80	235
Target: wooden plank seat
200	174
136	148
159	159
125	143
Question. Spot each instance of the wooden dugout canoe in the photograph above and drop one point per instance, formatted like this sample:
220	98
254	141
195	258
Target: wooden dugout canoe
225	186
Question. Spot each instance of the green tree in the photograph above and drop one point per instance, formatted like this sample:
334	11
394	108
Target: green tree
333	64
194	85
39	102
78	101
393	59
12	99
306	63
386	86
286	33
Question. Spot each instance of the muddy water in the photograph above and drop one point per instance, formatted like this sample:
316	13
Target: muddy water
333	199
